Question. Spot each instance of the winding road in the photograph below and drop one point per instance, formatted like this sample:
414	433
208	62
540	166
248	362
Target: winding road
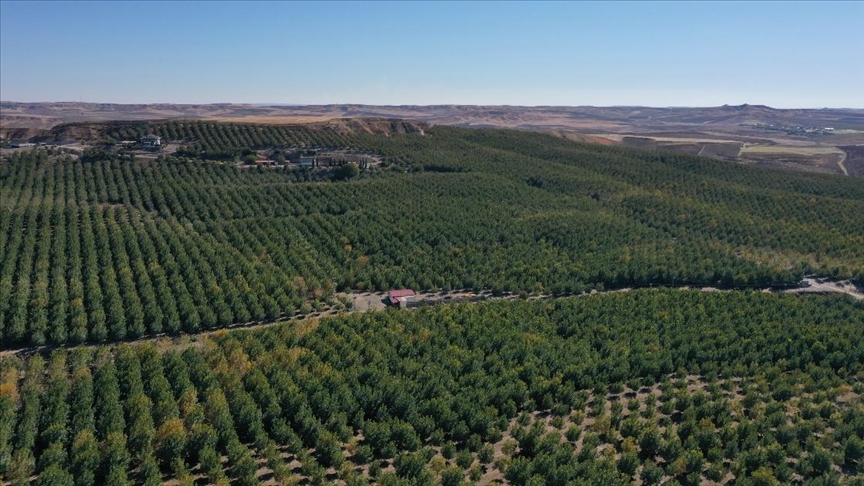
840	163
374	301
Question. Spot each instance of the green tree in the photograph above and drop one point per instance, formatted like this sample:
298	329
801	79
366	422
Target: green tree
115	459
55	475
84	458
171	441
329	450
651	474
452	476
347	171
853	451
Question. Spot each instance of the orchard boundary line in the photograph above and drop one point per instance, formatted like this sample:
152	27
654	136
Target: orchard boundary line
428	299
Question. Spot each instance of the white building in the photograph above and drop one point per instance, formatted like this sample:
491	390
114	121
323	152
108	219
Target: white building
151	141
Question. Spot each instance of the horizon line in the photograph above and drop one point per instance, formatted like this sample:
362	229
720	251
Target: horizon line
300	105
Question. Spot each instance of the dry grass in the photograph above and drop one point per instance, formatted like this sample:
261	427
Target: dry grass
274	119
789	149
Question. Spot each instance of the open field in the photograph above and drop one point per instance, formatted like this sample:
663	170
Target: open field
854	159
798	154
680	138
817	158
694	131
724	149
748	149
628	119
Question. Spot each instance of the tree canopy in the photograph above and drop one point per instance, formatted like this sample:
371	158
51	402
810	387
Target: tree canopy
112	248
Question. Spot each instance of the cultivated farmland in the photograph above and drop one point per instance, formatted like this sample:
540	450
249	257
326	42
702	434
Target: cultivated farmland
104	249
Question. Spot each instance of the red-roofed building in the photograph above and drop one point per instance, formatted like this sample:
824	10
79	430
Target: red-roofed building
402	293
400	297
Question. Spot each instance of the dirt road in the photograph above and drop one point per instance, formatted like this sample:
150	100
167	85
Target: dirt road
814	285
374	301
840	163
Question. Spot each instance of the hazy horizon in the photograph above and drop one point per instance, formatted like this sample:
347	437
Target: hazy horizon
300	105
662	54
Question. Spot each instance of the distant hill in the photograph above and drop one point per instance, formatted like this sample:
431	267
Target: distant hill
800	139
615	119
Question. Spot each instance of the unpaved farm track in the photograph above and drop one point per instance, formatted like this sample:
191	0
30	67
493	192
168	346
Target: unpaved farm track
840	163
814	285
372	302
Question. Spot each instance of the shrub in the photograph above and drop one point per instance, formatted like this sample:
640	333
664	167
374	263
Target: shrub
464	459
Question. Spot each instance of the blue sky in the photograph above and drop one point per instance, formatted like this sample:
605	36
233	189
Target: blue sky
795	54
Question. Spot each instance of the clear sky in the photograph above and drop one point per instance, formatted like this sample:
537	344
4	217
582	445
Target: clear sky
783	54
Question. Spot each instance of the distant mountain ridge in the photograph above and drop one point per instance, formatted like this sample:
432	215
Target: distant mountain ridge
613	118
827	140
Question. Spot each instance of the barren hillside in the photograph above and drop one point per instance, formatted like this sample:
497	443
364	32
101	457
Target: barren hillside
753	134
46	115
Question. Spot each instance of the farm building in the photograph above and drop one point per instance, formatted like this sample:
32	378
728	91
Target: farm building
151	141
400	298
20	144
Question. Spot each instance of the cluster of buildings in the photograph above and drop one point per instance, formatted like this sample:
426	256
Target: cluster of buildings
795	130
330	158
20	144
147	141
150	141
